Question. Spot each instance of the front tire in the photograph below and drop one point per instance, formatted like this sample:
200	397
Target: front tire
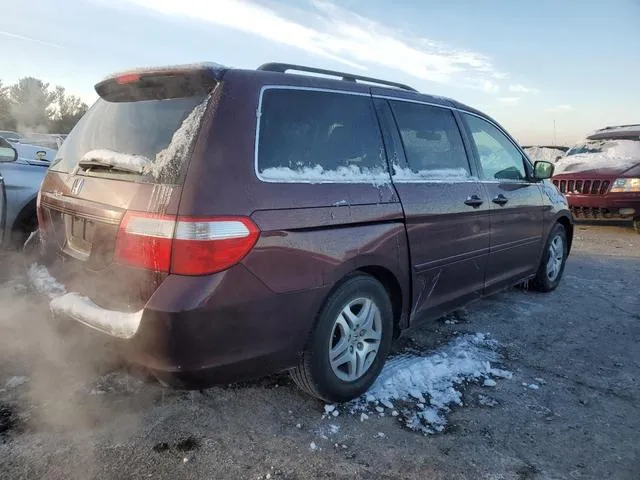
553	260
349	343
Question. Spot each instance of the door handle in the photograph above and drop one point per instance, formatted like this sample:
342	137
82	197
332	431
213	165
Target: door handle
473	201
500	200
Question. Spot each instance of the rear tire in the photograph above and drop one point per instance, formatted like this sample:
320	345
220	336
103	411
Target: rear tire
349	343
636	224
553	261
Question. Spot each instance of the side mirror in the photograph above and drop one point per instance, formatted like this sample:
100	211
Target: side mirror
8	154
543	170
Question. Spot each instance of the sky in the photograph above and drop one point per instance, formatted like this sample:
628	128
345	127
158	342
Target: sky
549	71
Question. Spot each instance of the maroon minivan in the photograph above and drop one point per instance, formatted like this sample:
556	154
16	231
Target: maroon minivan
224	223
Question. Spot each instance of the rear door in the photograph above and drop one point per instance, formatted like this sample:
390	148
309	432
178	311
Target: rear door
127	154
515	201
446	210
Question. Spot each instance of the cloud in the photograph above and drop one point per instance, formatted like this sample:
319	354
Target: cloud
560	108
519	88
338	34
509	100
491	87
30	39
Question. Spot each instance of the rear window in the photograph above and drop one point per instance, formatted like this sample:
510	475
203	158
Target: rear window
136	137
432	143
314	136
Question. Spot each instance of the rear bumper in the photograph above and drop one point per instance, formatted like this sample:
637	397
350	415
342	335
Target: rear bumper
609	206
197	331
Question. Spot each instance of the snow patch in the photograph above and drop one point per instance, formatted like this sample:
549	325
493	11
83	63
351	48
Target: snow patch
546	154
614	154
181	141
317	174
442	175
121	161
43	282
16	381
82	309
425	387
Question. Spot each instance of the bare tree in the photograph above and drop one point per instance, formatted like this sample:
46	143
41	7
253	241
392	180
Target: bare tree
67	111
7	121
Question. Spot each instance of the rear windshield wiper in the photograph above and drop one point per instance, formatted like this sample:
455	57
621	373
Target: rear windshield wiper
115	161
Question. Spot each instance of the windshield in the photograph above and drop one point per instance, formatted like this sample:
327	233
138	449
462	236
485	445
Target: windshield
143	128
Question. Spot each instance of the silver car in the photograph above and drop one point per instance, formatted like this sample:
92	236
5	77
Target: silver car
23	168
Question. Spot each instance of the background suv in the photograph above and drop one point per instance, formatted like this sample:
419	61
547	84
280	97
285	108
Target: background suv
601	176
224	223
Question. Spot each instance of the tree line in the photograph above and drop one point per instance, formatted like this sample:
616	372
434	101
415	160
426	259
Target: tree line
32	106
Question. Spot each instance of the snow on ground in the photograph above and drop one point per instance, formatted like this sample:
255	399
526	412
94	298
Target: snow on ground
424	388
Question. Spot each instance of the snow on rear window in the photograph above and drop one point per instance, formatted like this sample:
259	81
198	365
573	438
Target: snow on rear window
314	137
113	133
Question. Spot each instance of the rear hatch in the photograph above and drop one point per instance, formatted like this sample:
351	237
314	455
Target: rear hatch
125	159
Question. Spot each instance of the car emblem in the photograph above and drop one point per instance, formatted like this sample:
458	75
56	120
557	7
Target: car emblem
78	183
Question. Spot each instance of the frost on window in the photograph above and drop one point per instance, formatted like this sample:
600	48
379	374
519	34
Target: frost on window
432	144
313	136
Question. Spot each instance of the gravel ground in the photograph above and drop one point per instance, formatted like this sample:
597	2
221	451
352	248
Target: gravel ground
70	409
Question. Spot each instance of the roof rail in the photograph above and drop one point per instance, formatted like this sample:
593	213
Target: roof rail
347	77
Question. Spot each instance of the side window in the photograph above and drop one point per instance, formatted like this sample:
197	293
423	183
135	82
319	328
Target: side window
499	158
318	136
432	143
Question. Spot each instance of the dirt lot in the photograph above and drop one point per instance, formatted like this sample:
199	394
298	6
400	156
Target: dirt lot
68	409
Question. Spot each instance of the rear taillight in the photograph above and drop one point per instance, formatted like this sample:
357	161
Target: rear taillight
184	245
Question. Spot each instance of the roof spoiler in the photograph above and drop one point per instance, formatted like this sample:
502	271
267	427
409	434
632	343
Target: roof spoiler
155	83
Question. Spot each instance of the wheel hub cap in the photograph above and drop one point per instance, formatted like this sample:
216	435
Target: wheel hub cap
355	339
556	257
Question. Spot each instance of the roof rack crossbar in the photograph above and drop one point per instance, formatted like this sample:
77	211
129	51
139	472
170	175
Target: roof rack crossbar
348	77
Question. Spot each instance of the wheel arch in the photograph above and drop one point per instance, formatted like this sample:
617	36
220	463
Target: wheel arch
28	210
393	288
567	223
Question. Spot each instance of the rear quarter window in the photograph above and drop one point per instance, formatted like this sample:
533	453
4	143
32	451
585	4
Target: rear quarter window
313	137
